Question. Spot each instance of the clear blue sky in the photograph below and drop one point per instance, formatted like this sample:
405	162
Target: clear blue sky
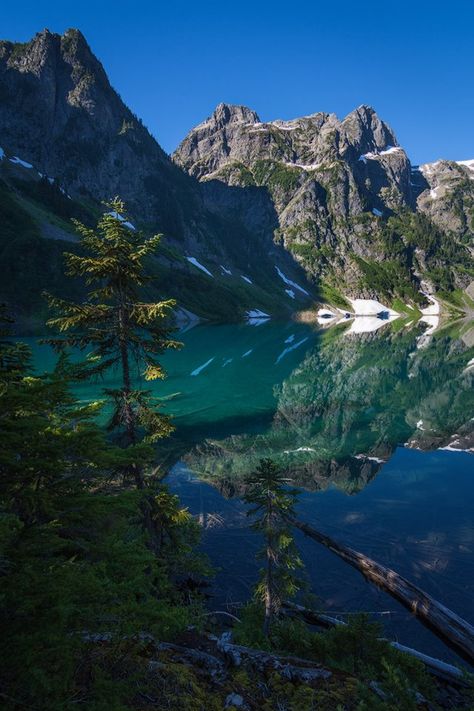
173	62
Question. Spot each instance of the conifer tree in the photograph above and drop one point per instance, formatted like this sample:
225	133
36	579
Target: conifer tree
119	330
272	507
113	322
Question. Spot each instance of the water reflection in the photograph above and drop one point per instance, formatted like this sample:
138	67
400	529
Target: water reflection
341	412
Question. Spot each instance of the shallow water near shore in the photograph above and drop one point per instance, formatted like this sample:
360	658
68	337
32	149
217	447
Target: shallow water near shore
376	429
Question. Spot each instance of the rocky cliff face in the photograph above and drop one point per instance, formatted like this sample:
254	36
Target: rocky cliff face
361	152
59	112
334	186
448	195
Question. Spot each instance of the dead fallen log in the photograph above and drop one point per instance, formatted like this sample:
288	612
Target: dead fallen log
447	625
435	667
293	668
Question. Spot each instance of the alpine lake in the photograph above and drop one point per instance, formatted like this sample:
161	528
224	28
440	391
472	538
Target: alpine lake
375	429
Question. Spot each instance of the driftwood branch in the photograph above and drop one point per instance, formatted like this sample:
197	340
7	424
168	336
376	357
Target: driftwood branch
449	627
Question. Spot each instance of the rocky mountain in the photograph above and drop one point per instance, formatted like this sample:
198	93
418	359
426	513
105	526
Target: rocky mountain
68	142
59	112
349	205
257	217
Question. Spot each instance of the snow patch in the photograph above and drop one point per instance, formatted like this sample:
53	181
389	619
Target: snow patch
245	278
305	166
2	153
372	459
225	270
247	353
291	338
290	293
468	163
291	348
289	282
374	155
428	168
227	361
369	324
391	149
300	449
197	264
419	425
434	308
432	322
201	367
376	212
370	307
470	365
113	213
256	313
19	161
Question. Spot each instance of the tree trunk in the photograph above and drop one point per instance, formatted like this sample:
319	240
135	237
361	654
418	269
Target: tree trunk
270	556
128	415
449	627
129	418
268	592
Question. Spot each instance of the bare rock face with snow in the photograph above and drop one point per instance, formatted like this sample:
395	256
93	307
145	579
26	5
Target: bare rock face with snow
317	184
233	145
324	188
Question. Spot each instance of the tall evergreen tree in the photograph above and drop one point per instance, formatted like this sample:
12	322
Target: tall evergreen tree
272	507
119	330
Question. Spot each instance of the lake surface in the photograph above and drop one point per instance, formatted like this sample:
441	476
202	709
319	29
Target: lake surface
377	429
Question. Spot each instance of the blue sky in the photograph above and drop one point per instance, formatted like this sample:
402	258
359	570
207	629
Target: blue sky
173	63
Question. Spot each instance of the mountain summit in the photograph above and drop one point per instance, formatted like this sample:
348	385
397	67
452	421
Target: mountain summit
59	112
349	205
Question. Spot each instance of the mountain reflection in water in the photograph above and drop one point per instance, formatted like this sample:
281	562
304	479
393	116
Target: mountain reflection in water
346	405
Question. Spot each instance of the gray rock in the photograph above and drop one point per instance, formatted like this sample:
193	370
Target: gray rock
235	700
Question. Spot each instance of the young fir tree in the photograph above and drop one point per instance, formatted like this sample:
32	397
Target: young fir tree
272	507
120	330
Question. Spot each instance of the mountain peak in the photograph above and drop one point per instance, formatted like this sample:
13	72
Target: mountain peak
234	113
367	131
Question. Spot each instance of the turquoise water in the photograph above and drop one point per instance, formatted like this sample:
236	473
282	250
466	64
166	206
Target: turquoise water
360	422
